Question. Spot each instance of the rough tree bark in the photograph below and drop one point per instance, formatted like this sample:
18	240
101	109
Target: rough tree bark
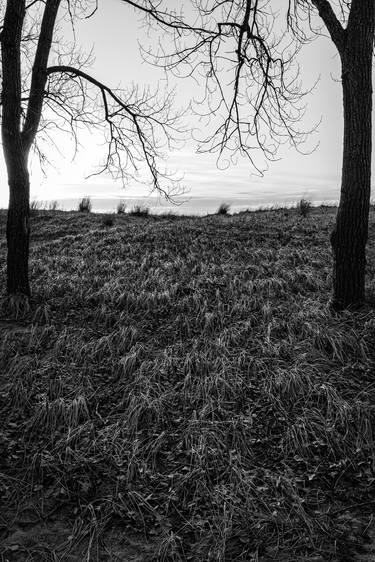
17	140
18	213
349	237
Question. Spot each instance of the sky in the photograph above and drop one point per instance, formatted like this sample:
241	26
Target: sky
113	34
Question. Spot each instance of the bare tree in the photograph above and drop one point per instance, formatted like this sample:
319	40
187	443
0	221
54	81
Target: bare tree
37	94
254	42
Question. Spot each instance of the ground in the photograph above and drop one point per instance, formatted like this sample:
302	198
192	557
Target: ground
179	390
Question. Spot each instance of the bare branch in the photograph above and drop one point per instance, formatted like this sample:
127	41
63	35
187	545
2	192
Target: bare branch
128	118
34	2
252	95
93	11
333	25
39	76
137	125
164	18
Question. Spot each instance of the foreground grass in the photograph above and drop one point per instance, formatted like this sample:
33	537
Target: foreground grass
180	391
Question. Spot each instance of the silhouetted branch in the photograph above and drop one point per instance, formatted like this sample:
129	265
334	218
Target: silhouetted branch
135	122
333	25
258	106
38	74
138	125
163	17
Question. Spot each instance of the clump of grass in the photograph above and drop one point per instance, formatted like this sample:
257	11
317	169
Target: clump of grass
304	207
35	206
121	208
108	221
85	205
223	209
139	211
53	205
16	306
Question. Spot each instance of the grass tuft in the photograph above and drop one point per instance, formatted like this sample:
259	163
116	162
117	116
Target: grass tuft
223	209
35	206
121	208
304	207
139	211
53	205
85	205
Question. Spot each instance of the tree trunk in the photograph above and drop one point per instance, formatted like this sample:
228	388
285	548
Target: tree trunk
349	237
14	152
17	142
18	230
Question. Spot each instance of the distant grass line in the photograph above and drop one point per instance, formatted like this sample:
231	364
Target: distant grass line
123	208
185	378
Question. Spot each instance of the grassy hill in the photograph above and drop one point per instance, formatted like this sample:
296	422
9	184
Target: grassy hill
180	391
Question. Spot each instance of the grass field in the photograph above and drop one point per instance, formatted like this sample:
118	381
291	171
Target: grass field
180	391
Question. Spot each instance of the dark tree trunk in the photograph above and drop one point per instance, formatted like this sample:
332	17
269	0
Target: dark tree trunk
17	142
18	230
349	237
14	153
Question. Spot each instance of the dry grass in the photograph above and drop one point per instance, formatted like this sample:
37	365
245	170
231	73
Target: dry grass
185	379
85	205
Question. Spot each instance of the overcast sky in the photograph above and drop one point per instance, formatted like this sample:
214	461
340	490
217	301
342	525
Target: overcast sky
113	33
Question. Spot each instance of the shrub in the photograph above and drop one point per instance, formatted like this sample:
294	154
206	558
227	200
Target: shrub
139	211
121	208
304	207
108	221
85	205
223	209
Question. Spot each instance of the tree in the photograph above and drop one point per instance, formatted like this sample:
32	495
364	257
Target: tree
36	94
259	107
354	43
